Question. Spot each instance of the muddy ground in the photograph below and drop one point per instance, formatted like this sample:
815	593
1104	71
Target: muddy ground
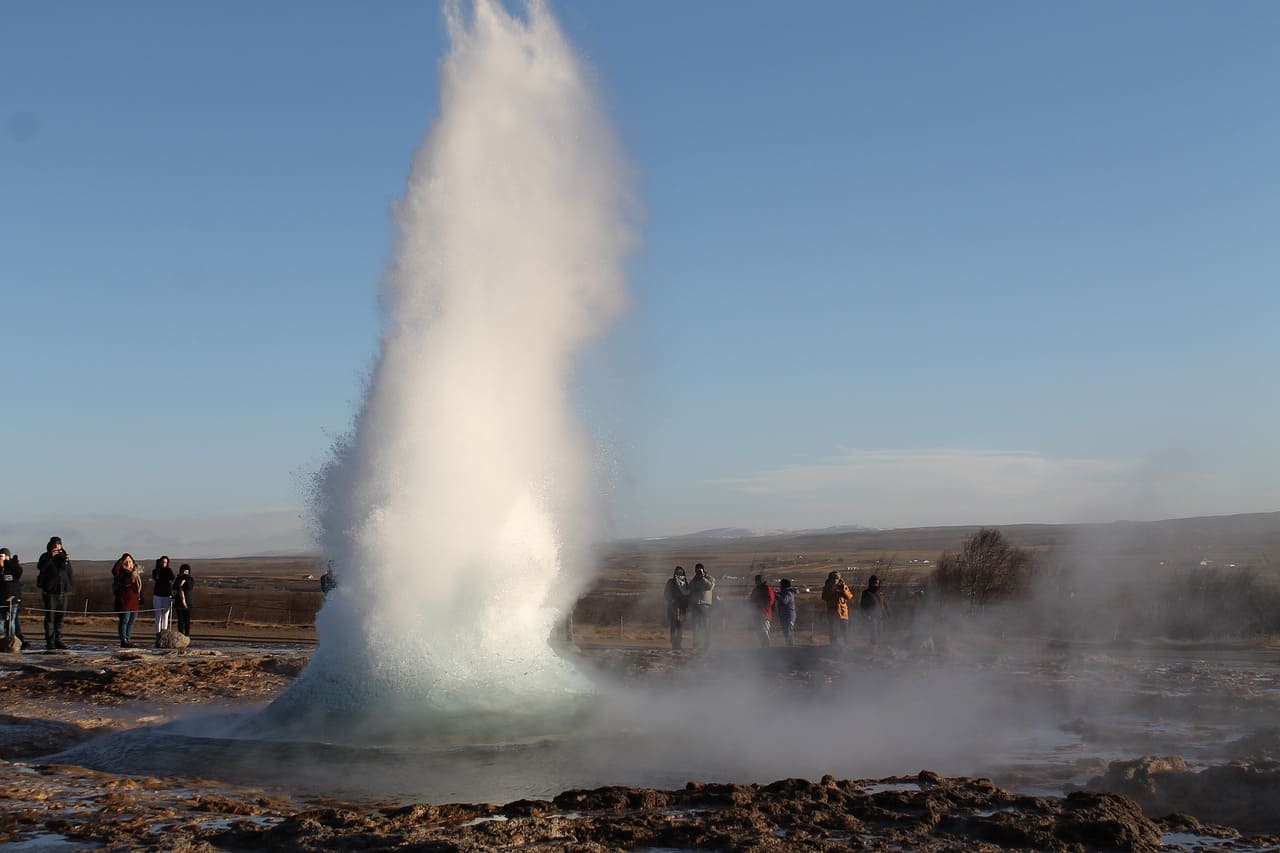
49	702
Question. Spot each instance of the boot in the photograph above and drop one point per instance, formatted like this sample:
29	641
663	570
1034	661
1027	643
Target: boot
157	639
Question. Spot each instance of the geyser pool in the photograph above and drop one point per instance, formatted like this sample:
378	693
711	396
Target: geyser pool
456	510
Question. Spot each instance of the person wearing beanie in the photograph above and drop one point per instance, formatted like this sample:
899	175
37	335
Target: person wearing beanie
54	577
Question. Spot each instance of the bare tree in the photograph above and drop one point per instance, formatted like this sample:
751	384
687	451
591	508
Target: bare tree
986	568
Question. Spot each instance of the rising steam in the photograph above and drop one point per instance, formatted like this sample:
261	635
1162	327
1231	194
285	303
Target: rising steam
455	511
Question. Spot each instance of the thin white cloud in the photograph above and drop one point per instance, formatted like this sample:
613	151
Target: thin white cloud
898	488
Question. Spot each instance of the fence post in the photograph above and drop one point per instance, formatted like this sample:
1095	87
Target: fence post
228	616
288	616
621	635
86	608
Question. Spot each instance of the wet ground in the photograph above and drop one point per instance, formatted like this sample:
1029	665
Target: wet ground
679	751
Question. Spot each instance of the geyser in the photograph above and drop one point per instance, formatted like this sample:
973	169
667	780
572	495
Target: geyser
457	509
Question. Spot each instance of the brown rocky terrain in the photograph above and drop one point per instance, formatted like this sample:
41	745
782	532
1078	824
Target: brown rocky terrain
52	701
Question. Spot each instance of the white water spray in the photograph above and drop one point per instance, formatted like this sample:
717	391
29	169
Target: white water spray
458	509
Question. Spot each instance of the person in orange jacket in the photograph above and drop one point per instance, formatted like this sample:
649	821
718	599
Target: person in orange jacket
836	594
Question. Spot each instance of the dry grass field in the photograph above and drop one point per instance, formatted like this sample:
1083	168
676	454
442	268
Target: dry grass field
247	596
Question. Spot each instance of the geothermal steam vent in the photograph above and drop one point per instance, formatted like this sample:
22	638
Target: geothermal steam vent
455	508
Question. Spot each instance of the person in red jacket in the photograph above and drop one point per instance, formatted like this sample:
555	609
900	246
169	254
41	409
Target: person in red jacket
126	583
762	599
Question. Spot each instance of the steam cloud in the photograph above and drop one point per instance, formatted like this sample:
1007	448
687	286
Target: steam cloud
455	511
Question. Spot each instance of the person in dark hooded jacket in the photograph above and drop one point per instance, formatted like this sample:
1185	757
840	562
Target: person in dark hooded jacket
54	577
676	593
182	587
10	592
13	567
786	610
762	600
874	609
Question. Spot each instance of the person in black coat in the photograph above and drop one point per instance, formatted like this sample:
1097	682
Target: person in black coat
161	595
13	566
54	577
182	587
10	592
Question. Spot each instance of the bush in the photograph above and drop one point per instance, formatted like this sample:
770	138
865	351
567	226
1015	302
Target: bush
985	569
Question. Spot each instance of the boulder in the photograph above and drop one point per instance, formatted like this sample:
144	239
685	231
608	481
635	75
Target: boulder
172	638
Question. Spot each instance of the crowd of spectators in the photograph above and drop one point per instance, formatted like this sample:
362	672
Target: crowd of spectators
170	602
692	600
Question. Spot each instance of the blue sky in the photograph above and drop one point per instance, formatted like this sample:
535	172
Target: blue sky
902	263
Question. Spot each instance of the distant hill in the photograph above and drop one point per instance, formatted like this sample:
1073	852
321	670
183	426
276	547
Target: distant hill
1222	538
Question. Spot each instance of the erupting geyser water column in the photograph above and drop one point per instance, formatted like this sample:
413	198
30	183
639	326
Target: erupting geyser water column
458	508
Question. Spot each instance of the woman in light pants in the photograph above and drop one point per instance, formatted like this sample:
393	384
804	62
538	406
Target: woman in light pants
160	596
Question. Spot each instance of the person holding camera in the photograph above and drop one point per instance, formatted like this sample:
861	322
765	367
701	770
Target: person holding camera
10	593
676	593
701	595
11	566
836	594
54	577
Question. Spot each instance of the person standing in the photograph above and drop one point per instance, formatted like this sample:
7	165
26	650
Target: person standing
54	576
126	584
328	580
836	594
182	598
10	593
15	568
762	599
786	606
676	593
701	596
874	608
161	595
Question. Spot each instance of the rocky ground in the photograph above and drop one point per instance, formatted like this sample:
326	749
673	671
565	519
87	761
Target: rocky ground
53	701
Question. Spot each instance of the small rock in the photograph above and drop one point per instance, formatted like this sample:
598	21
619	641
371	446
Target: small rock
172	638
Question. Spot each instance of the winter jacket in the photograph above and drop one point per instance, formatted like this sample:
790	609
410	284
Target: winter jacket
11	579
786	604
164	582
837	599
701	589
182	587
54	574
676	593
762	599
128	589
872	604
